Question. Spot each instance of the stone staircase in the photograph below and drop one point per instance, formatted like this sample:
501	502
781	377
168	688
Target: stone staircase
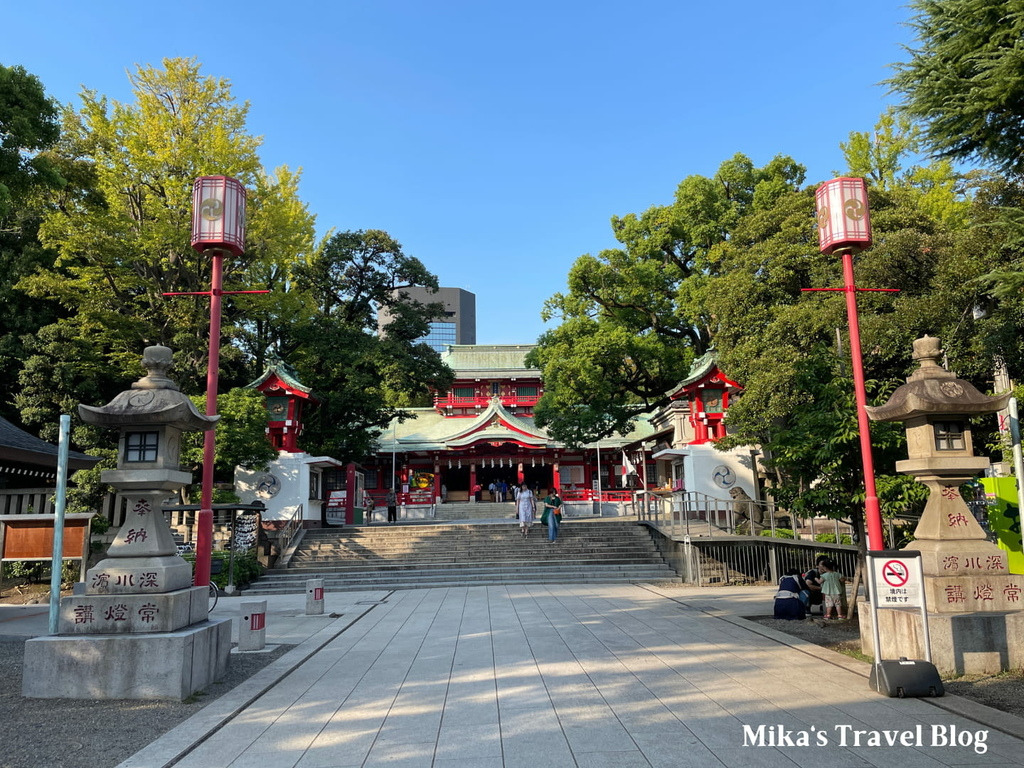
485	510
438	555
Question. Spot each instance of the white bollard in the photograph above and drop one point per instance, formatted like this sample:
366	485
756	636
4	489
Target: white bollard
252	626
314	597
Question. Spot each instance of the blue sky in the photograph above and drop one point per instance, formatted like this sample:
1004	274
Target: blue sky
496	140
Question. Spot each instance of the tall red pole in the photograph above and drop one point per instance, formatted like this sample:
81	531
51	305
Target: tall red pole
873	513
204	534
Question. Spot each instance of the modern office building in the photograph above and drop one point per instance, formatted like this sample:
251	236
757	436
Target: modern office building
458	326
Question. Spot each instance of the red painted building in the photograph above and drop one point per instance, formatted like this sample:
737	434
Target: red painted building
286	397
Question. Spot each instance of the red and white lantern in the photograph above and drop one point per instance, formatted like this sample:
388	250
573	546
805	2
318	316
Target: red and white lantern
843	218
218	214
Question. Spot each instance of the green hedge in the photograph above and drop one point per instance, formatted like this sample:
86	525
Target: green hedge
247	567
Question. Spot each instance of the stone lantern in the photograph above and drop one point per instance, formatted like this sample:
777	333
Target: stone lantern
150	418
974	603
149	628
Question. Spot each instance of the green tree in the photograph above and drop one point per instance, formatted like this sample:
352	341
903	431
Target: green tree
121	231
28	128
241	435
125	245
363	378
635	317
815	454
965	80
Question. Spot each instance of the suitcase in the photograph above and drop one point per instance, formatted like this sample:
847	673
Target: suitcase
906	678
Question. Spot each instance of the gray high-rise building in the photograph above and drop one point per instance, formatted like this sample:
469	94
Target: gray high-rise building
458	326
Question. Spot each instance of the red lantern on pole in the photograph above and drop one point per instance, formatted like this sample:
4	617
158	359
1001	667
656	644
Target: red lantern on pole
844	225
218	227
218	214
843	218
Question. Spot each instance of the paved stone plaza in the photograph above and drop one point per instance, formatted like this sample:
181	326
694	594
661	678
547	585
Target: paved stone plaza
615	676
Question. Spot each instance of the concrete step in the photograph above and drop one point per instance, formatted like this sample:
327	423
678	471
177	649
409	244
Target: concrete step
405	581
514	543
497	582
413	556
299	581
313	571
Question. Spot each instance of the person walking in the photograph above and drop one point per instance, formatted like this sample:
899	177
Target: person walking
552	516
526	504
392	503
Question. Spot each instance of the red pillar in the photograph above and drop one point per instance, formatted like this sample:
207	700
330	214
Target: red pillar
472	481
204	523
872	510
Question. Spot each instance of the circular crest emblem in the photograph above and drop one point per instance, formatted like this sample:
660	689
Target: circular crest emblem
268	487
951	389
854	209
723	476
211	209
141	398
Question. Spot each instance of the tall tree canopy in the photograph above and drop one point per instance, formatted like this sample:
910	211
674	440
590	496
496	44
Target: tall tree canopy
937	237
363	377
635	317
965	80
121	232
28	128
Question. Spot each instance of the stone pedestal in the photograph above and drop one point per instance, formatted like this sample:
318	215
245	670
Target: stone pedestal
123	614
967	643
164	665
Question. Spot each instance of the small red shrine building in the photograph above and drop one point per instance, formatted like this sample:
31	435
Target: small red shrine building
286	397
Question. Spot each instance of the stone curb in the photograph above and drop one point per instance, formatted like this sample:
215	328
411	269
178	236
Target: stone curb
167	749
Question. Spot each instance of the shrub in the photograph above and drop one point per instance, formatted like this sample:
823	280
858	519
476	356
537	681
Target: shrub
34	571
830	538
247	567
780	533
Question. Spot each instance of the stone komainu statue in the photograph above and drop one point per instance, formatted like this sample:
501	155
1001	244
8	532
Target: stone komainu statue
747	511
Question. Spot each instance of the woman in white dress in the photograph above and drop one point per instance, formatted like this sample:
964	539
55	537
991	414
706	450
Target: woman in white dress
526	505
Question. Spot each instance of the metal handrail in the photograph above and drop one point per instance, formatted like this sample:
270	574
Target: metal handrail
291	527
687	513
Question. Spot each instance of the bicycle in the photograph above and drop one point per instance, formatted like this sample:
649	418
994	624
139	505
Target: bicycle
213	589
214	596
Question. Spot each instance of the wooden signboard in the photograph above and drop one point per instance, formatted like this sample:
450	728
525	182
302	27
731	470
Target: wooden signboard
30	537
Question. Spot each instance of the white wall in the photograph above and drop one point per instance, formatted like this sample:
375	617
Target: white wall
714	473
290	473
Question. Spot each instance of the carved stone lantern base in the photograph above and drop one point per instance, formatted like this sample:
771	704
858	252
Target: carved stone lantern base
964	644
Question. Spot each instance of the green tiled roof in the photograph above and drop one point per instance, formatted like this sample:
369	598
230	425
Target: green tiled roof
493	358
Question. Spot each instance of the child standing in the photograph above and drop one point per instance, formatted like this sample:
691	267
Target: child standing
833	589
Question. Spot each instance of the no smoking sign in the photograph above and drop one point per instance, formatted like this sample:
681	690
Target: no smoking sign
895	573
897	581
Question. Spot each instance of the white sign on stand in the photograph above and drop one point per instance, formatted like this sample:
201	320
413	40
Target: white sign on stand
896	580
